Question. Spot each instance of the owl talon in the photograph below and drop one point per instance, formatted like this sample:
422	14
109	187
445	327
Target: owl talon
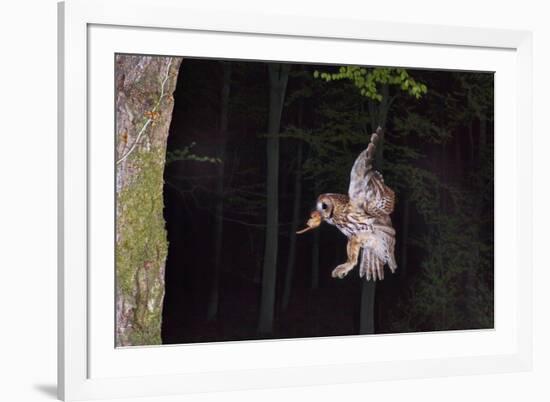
340	271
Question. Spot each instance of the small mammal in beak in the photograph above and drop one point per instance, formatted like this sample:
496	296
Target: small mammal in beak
313	222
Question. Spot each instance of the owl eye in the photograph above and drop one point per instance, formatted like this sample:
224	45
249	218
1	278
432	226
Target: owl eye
324	206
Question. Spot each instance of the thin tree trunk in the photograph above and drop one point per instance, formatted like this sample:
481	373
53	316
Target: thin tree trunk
482	136
315	260
468	275
293	228
315	249
378	114
404	237
366	322
278	78
470	292
218	219
471	145
458	158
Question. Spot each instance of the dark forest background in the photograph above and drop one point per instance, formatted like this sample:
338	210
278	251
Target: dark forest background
250	147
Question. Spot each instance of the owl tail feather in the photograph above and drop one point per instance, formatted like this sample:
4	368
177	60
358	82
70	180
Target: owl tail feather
391	263
371	267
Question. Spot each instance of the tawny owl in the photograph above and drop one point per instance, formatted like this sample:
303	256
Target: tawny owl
363	215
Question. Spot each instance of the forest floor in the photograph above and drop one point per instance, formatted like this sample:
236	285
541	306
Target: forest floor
304	317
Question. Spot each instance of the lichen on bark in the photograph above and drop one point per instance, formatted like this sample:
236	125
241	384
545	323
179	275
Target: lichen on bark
144	87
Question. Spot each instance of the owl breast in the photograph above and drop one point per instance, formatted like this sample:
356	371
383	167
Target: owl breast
352	223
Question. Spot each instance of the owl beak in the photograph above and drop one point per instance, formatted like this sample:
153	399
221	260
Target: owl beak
312	222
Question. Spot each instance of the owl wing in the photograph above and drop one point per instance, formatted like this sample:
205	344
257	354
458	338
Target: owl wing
380	252
367	189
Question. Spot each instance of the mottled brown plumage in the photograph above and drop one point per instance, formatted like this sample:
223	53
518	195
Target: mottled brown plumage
363	216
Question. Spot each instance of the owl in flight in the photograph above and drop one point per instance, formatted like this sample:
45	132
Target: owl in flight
363	216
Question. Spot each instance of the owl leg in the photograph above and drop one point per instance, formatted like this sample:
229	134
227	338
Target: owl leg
353	248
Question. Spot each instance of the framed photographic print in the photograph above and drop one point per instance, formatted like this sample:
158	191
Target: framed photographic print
263	200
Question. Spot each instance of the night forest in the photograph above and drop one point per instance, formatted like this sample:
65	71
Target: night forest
250	147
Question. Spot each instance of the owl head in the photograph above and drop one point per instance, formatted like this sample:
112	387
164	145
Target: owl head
325	206
323	211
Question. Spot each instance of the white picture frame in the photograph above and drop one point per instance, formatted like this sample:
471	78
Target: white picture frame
89	365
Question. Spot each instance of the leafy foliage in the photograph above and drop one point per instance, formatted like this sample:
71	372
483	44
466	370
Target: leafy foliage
367	80
185	154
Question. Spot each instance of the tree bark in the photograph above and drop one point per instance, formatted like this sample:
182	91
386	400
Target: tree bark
293	228
278	78
144	102
218	219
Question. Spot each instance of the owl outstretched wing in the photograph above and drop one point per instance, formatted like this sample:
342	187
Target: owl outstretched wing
367	189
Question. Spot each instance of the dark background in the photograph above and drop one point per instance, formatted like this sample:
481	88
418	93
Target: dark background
437	156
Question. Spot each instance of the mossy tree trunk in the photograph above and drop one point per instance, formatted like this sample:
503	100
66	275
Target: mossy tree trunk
144	102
